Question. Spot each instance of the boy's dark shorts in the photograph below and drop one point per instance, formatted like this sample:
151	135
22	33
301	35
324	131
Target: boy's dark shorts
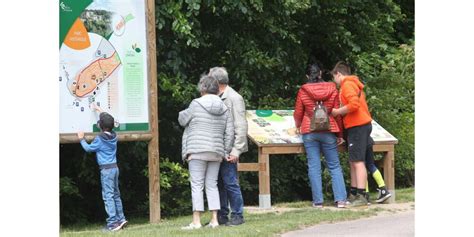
359	142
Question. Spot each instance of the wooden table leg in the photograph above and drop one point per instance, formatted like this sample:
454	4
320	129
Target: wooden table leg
389	173
264	197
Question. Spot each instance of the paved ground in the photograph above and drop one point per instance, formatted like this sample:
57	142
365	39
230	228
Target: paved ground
390	208
401	223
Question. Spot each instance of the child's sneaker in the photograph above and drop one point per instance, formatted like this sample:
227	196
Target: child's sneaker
123	223
384	194
317	205
112	227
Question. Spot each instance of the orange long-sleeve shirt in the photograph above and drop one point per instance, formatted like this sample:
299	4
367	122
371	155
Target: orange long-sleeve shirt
357	105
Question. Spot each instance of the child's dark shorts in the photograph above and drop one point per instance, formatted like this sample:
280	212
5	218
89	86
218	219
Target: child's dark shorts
359	142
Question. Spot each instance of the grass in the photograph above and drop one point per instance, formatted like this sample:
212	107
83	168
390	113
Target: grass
257	224
405	195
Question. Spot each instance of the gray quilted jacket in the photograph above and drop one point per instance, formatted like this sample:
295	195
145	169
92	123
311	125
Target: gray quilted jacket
208	127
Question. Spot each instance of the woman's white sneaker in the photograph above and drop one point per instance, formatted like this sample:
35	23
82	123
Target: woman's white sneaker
212	225
191	226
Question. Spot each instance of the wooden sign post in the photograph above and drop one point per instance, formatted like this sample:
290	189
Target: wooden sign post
153	148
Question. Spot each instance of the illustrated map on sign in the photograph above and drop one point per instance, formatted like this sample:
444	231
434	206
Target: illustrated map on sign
279	128
103	60
104	63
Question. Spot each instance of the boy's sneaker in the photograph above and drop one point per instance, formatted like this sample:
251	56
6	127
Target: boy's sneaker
222	220
367	196
123	223
384	194
350	199
360	201
317	205
235	220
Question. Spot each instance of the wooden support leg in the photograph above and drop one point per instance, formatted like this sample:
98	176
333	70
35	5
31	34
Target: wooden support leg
153	147
389	173
154	181
264	197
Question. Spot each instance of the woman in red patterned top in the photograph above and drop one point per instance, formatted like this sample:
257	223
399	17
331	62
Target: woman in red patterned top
324	141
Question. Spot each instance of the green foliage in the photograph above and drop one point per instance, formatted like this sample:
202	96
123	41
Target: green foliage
390	81
69	193
175	189
405	27
80	190
263	44
289	178
68	187
97	21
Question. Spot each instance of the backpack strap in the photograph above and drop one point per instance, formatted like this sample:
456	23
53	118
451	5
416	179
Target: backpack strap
318	102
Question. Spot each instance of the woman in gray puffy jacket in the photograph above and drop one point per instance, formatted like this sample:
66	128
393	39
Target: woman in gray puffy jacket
207	139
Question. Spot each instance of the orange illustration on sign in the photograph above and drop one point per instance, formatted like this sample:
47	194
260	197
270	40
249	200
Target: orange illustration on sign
77	37
94	74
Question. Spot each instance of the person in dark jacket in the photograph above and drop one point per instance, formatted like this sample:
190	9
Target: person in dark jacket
317	90
105	146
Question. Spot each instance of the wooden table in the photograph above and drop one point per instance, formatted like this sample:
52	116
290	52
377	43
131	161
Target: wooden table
271	136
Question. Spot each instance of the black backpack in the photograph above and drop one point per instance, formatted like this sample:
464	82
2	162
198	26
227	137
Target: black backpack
320	119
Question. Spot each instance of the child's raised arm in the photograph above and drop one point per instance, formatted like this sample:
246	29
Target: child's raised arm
80	135
95	107
93	147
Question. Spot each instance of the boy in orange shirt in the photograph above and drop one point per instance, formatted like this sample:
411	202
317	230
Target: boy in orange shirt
358	123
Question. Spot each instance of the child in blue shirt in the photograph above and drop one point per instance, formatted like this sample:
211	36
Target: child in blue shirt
105	146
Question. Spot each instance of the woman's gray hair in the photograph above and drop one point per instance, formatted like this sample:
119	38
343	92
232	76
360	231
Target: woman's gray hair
208	85
220	73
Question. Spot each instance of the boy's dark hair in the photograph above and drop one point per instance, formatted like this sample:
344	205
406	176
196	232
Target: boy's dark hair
342	68
106	122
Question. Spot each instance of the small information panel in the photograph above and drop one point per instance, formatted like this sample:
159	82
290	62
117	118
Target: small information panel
278	127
